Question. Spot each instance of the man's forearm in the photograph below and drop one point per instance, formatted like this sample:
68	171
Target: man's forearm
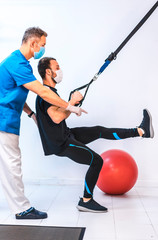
27	109
58	114
46	94
53	98
64	114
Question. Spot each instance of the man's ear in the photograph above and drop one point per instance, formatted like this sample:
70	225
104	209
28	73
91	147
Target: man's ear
48	71
32	43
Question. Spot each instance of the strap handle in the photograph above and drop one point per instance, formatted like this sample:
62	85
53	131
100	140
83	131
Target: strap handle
111	57
80	88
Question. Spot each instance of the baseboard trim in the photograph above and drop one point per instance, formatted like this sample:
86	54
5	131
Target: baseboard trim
70	181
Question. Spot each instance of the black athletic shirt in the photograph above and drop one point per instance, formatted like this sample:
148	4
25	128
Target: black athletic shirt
53	136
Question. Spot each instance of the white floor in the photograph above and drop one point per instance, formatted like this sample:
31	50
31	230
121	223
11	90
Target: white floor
133	216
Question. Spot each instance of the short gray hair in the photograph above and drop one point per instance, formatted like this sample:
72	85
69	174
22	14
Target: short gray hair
33	32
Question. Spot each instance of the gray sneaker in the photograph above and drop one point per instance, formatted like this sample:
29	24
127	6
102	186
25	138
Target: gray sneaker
90	206
146	124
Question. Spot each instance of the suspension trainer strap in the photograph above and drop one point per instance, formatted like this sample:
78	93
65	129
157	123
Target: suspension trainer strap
136	28
80	88
113	55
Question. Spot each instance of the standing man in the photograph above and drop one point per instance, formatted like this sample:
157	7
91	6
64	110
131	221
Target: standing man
16	79
62	141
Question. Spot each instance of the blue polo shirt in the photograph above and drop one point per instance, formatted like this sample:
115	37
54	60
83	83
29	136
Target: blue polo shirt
15	71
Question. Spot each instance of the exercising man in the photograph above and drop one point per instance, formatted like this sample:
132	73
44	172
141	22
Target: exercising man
16	79
62	141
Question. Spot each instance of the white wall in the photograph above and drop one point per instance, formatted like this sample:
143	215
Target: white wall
81	34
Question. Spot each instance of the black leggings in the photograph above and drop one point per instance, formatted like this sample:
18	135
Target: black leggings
80	153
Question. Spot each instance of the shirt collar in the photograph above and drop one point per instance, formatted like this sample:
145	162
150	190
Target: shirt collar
53	89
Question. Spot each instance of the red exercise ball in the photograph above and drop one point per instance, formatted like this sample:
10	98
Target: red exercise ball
119	172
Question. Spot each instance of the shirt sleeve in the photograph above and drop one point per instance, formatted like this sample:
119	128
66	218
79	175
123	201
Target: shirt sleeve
46	105
23	74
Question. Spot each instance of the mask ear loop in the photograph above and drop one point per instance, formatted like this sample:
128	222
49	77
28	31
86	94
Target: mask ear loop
52	76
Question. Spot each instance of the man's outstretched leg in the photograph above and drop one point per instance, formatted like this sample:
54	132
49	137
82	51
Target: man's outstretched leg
89	134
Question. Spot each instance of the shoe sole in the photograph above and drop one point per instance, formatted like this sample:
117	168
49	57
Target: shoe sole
83	209
19	218
151	126
29	217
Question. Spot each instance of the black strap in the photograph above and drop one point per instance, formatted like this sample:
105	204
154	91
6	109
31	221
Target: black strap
113	55
30	115
80	88
136	28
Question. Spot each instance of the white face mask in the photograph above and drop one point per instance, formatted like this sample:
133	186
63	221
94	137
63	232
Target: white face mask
59	76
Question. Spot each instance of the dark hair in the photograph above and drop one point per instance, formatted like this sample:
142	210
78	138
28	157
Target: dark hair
44	64
33	32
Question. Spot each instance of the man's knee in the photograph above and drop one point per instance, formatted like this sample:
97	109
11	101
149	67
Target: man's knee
98	161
